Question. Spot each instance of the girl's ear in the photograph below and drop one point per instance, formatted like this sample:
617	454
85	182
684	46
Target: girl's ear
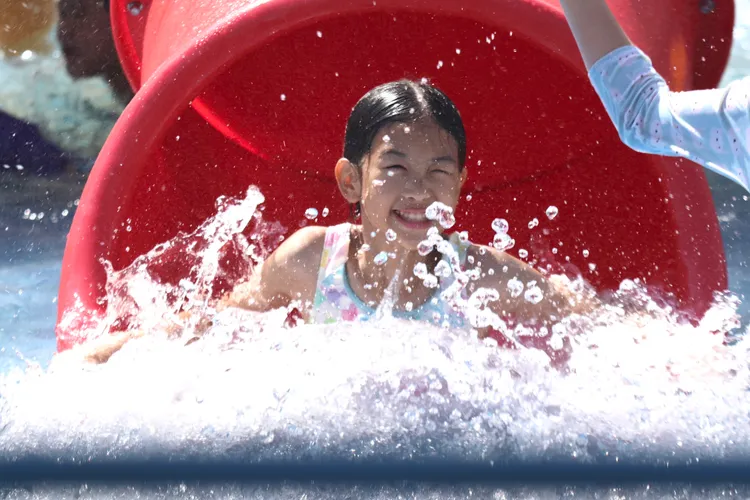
347	178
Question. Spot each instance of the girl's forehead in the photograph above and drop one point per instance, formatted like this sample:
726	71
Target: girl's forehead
414	136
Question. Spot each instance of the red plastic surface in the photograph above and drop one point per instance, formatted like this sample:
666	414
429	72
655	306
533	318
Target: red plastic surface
209	119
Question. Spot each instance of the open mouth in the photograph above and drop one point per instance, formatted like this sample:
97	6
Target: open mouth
413	218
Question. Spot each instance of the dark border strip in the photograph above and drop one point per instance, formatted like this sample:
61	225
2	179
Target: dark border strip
132	471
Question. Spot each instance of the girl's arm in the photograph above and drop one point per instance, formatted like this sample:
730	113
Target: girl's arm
290	273
595	28
709	127
557	297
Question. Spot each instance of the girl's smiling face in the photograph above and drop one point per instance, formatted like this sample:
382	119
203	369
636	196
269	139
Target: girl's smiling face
409	167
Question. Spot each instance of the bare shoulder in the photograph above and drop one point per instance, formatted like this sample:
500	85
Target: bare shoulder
298	254
289	273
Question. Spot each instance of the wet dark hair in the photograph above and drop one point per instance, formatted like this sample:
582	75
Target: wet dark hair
402	101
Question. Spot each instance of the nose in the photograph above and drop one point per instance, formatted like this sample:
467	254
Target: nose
415	189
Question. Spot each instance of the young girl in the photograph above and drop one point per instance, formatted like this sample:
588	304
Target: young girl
709	127
402	172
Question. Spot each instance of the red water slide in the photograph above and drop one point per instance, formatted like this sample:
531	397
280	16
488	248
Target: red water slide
233	93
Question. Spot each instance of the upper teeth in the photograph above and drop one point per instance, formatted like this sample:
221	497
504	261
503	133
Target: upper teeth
413	216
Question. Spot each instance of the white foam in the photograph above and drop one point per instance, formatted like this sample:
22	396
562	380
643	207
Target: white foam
639	384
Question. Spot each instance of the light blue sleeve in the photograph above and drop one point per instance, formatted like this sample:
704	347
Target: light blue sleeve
709	127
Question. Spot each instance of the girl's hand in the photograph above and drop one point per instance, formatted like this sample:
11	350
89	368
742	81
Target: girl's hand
96	351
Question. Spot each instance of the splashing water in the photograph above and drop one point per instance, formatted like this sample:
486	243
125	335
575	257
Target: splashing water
503	242
639	384
381	258
441	213
533	293
500	226
552	212
515	287
311	213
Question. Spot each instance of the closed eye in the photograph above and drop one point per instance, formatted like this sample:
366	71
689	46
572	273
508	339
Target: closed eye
395	167
442	171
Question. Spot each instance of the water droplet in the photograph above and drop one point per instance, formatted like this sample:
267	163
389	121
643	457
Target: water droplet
592	266
135	8
325	212
515	287
500	226
552	212
523	253
378	182
441	213
407	130
554	250
439	64
458	51
463	237
283	97
430	281
408	306
443	269
381	258
319	33
390	235
586	253
533	295
311	213
491	272
129	228
555	341
503	242
425	247
420	270
386	138
364	248
533	223
19	167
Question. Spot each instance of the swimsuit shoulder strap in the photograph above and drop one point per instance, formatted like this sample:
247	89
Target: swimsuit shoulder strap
335	250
